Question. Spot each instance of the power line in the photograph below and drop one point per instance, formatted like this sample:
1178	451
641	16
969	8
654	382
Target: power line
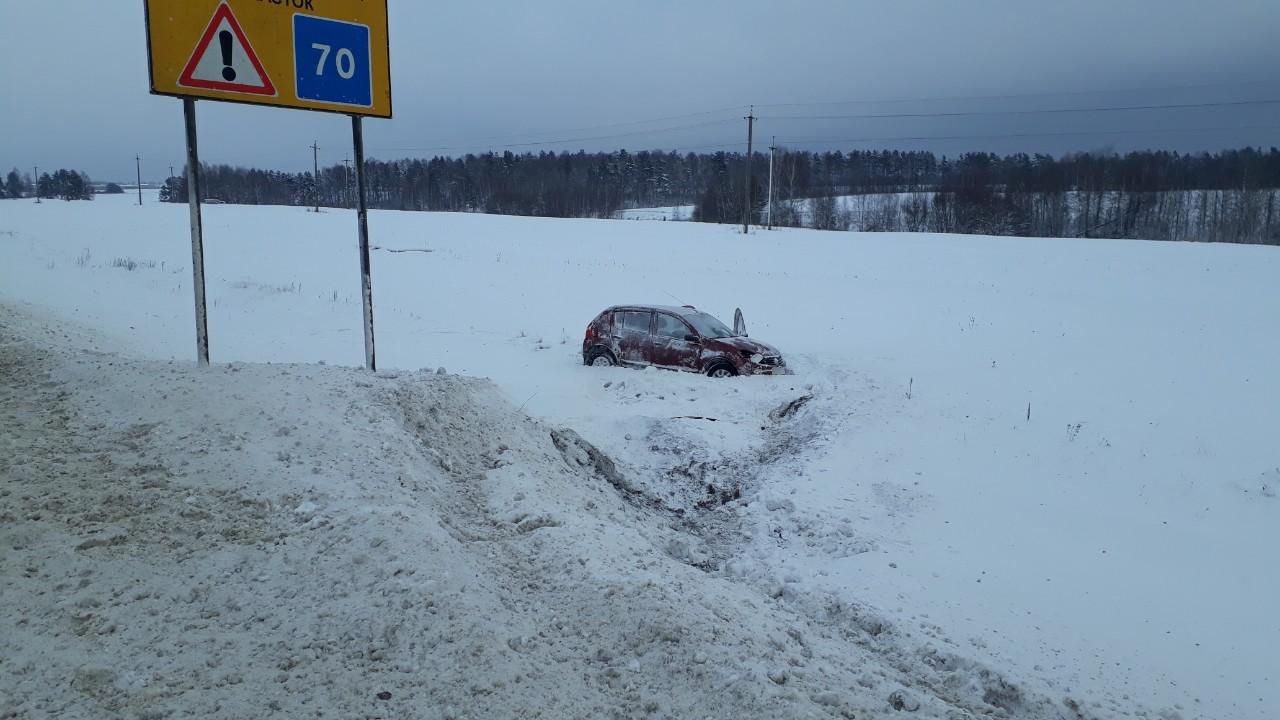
481	144
562	141
1003	136
1023	96
593	128
1050	111
480	141
688	148
905	138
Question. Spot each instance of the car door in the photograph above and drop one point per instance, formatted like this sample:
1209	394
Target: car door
671	345
631	335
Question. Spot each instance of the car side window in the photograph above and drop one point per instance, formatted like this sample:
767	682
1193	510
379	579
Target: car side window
671	326
632	321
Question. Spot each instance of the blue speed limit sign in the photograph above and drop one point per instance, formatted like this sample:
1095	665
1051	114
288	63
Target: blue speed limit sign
332	61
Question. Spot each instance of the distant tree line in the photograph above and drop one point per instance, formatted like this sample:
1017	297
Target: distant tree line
63	184
1159	195
1228	197
545	184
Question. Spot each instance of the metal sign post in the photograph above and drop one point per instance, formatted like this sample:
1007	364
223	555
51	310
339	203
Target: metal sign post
197	232
335	58
362	215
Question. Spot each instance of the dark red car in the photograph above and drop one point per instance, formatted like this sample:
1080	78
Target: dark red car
676	338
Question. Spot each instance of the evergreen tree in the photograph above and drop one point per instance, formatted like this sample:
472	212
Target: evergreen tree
169	192
14	186
67	185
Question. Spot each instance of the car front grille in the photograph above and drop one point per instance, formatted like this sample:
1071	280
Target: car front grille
771	360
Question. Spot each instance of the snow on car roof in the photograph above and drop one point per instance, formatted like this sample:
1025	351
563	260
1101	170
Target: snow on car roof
678	310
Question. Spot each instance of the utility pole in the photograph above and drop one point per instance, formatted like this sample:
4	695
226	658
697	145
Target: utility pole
315	177
746	210
35	180
170	171
138	159
768	213
346	182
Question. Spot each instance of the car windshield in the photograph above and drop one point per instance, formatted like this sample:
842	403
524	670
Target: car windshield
707	326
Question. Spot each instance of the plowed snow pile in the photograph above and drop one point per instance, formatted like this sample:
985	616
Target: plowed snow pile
309	541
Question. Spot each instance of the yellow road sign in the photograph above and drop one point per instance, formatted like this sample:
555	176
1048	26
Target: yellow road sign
327	55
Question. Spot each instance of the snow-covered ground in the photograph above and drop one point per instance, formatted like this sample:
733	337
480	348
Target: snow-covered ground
1052	461
859	209
675	212
307	541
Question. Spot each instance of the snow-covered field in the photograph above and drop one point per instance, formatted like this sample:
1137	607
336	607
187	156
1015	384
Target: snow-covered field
1030	478
675	212
860	209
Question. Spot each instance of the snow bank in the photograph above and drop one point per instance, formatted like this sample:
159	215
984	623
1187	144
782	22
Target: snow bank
296	540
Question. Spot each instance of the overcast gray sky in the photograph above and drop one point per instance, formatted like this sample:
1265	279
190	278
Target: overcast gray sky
471	76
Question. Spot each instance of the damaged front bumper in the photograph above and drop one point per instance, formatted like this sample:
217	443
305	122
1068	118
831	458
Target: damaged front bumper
770	365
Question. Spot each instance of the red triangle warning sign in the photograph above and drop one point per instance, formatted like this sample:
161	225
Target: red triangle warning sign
224	59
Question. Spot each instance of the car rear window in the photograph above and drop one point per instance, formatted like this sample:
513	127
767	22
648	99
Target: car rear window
632	321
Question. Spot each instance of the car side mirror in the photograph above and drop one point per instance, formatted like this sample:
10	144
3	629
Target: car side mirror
692	338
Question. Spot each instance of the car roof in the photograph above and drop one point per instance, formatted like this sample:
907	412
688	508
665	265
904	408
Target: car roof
673	309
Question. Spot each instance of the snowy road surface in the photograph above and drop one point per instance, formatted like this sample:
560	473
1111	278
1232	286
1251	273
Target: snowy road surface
1051	458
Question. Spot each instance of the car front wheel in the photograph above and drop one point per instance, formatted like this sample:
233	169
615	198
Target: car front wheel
600	357
722	371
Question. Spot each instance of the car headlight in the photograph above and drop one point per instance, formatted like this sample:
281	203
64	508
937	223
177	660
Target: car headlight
757	358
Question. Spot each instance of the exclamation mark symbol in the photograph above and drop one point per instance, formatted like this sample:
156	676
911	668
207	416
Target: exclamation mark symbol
228	72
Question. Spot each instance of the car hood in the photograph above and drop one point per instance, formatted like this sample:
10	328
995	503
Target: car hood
745	344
